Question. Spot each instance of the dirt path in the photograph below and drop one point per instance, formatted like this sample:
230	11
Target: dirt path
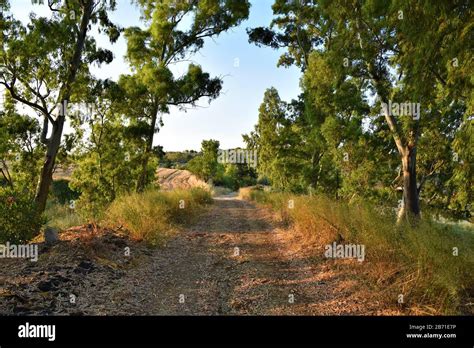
236	260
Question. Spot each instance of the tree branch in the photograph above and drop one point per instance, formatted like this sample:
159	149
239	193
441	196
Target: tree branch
6	173
434	168
17	97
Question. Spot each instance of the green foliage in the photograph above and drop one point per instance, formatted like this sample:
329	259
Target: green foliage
20	149
234	176
177	160
20	220
205	166
209	150
462	179
153	88
230	175
62	192
46	63
355	55
284	157
107	164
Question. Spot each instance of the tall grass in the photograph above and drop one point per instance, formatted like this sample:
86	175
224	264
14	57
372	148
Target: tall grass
62	217
419	262
154	215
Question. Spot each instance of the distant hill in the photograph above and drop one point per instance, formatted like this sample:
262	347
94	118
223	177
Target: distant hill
170	179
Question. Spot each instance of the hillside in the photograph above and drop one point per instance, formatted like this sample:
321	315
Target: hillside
170	179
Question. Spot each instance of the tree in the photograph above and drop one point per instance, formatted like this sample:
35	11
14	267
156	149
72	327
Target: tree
209	150
105	161
278	139
42	63
20	149
166	41
395	51
206	165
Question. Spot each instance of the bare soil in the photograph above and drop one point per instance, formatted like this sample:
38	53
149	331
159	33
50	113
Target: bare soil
171	179
237	259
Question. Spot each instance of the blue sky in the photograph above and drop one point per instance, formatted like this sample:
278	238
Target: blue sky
235	112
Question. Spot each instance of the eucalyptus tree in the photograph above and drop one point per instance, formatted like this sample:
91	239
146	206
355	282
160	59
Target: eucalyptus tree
175	29
104	161
20	148
277	138
43	62
403	58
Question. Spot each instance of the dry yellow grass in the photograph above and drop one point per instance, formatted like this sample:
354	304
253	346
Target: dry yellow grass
419	262
154	215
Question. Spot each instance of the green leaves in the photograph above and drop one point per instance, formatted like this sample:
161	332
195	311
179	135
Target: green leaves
176	29
355	55
19	219
168	39
194	85
38	65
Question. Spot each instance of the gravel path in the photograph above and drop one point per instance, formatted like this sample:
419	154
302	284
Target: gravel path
237	259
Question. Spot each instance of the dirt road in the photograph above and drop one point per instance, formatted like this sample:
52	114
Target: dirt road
237	260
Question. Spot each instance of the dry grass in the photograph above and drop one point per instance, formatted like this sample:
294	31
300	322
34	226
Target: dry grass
154	215
221	191
62	217
416	262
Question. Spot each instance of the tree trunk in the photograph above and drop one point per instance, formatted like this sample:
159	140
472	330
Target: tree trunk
143	179
410	209
54	142
46	176
315	169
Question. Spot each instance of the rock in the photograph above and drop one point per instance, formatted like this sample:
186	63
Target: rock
45	285
19	310
53	283
84	267
51	235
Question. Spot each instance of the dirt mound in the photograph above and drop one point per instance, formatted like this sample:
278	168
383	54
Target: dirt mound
170	179
86	273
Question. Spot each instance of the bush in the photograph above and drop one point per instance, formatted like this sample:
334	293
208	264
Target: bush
154	215
416	261
62	192
19	219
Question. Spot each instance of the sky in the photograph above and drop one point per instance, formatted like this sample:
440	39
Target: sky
247	71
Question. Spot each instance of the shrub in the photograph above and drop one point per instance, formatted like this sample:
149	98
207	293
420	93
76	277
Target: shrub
19	219
62	192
